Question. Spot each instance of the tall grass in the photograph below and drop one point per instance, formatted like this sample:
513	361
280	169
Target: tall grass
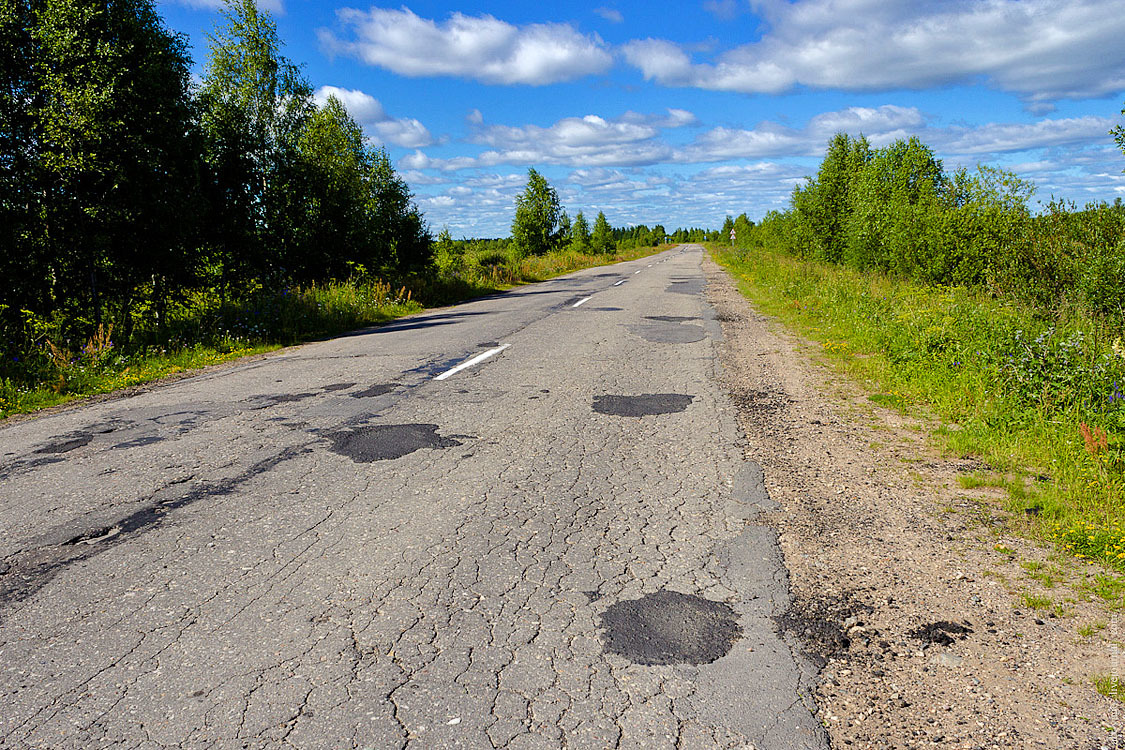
204	329
1039	398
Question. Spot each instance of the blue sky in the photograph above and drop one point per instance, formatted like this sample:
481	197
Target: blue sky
681	113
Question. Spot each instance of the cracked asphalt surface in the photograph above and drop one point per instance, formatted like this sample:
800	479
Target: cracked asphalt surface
330	548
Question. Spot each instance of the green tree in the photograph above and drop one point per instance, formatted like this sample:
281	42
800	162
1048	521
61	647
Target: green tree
398	235
24	268
537	216
114	150
1118	133
724	233
601	240
742	230
580	234
327	196
562	234
255	107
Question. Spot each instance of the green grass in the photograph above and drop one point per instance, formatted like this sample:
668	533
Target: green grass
203	330
992	377
1110	686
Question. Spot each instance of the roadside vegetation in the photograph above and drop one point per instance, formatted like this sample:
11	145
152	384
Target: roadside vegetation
150	223
952	299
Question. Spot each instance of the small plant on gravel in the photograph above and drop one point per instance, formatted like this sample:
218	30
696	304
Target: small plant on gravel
1088	629
1035	601
1110	686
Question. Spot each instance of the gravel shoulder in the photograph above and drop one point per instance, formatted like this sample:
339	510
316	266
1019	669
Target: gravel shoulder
910	592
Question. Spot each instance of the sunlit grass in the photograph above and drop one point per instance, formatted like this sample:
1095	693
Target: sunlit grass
986	375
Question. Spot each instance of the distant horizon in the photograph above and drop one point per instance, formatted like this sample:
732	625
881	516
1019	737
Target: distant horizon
683	116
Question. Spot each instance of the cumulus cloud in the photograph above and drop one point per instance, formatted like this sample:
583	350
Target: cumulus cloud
632	139
996	137
369	113
1041	50
881	125
482	48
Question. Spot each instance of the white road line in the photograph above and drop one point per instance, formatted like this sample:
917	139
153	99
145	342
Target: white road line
619	283
470	362
636	272
582	301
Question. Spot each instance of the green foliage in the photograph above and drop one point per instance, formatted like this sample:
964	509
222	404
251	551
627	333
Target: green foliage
580	234
1040	400
601	239
537	216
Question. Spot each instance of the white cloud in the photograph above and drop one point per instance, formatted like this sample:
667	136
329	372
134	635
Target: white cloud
477	47
996	137
369	113
610	14
881	125
1042	50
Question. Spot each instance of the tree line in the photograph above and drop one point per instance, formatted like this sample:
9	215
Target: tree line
896	209
541	225
126	187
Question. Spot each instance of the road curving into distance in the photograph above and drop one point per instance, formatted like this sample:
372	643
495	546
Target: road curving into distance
519	522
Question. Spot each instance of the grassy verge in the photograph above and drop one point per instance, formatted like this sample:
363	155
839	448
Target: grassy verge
204	330
1038	399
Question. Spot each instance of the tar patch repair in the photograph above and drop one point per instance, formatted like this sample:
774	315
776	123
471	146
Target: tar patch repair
374	391
670	628
646	404
67	444
659	333
388	441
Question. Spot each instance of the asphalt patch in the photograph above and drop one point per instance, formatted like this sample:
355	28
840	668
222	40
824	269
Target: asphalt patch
67	444
139	442
941	633
646	404
337	387
274	399
379	389
687	286
670	628
668	334
388	441
671	318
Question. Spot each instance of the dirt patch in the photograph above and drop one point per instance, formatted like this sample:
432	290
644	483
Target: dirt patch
910	591
668	627
646	404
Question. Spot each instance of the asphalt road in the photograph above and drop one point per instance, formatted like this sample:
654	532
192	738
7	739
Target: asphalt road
354	543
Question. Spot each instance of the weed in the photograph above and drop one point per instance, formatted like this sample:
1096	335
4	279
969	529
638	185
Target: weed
1109	686
1035	601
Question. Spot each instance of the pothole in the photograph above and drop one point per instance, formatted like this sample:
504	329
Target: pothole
95	536
336	387
670	318
668	627
388	441
645	404
67	444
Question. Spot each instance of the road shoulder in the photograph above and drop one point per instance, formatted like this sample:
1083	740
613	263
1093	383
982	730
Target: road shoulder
933	626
